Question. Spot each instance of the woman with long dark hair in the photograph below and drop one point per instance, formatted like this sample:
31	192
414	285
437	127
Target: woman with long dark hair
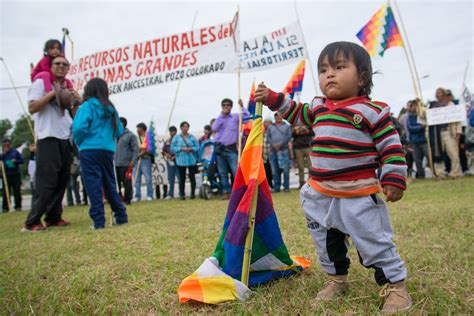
96	128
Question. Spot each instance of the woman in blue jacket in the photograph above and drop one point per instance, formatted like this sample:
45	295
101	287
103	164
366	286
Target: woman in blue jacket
186	148
95	129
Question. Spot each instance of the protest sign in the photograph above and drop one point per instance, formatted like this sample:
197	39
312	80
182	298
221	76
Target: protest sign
187	55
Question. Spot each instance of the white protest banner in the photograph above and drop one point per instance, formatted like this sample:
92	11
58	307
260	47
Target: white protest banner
446	114
179	56
275	49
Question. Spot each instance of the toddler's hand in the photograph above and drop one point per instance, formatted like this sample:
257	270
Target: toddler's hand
392	193
261	94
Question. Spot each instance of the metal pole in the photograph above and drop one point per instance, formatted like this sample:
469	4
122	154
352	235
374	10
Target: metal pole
306	49
416	77
19	98
179	84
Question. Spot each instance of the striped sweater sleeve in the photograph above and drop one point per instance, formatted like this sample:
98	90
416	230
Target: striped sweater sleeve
295	113
392	157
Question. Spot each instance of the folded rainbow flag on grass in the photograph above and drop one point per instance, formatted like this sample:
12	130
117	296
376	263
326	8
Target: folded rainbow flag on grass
217	280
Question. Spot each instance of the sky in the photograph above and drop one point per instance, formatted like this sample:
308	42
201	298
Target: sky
441	35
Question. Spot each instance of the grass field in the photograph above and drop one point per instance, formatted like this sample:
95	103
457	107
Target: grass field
136	268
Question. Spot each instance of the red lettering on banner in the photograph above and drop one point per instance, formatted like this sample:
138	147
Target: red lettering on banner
125	53
203	36
193	58
165	45
81	63
157	67
168	62
279	33
87	63
212	36
109	75
104	58
138	71
137	51
193	43
148	51
185	41
128	71
174	41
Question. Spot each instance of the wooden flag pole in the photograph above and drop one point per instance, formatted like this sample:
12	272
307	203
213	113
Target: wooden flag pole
5	185
306	50
179	84
409	61
416	81
239	141
251	224
409	55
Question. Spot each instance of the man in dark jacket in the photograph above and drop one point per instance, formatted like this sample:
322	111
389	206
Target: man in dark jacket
11	159
125	158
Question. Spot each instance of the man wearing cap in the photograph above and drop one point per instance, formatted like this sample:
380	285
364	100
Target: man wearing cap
53	150
227	128
11	159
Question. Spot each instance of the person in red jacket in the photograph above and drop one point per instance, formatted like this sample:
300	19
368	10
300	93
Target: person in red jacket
42	70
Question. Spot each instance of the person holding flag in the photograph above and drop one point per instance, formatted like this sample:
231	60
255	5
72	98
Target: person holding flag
354	137
227	128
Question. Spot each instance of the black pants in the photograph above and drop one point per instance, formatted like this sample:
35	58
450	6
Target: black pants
53	164
182	179
14	187
268	173
125	183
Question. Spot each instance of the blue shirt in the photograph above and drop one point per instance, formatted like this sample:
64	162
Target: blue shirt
93	128
185	159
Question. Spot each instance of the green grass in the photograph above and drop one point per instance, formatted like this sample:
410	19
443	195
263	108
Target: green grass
137	268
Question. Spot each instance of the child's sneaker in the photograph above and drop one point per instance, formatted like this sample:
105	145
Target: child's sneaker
397	298
336	286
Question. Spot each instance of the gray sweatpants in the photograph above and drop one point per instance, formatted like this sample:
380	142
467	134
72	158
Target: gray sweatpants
365	219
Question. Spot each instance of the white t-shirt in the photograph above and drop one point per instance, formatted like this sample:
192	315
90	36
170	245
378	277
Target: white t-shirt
51	121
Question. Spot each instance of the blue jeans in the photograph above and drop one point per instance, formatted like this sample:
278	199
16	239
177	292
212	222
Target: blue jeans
172	175
144	168
226	162
97	169
279	165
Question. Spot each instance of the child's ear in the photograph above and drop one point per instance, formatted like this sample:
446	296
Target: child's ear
362	79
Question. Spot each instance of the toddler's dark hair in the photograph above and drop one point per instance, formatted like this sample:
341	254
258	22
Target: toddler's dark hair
351	51
50	44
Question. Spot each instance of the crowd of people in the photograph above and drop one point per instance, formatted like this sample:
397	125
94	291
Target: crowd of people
443	148
352	147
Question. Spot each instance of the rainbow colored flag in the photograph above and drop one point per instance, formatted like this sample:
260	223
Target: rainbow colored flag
295	84
217	280
252	103
149	141
381	32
